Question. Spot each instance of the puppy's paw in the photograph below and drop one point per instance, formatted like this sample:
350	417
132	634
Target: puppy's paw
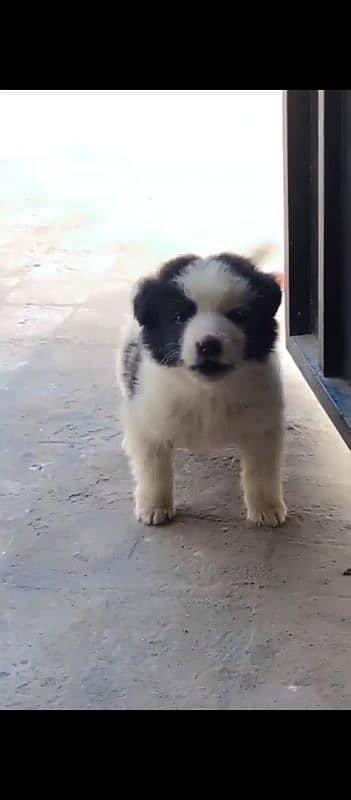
151	515
271	515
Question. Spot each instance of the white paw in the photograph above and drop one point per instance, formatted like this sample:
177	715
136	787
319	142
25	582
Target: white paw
272	516
154	516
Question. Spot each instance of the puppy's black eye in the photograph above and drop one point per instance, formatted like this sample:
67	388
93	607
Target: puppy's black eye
179	318
238	315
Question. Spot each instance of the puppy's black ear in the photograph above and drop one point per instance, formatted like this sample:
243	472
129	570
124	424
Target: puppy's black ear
261	329
144	302
269	295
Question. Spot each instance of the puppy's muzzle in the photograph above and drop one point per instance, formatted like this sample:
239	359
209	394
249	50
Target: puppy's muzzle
208	357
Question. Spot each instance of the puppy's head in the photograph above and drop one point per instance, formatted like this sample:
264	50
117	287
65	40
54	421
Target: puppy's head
208	315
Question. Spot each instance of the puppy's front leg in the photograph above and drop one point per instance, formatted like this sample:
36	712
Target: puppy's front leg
261	475
152	465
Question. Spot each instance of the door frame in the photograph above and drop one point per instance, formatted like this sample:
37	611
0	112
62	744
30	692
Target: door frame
317	193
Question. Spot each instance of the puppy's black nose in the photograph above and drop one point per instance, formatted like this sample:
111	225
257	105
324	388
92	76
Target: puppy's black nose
209	347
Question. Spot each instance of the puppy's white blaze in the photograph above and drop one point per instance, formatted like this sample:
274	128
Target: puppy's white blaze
212	285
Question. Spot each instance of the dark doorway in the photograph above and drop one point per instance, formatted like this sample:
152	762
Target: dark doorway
317	174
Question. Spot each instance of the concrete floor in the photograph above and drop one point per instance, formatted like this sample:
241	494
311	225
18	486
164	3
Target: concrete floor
100	613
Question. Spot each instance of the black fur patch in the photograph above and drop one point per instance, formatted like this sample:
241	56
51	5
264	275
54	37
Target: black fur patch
263	303
130	362
162	310
172	268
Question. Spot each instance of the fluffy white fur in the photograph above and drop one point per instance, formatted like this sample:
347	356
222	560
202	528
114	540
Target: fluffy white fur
175	408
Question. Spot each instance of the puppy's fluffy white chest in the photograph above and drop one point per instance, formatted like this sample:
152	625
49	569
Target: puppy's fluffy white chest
173	407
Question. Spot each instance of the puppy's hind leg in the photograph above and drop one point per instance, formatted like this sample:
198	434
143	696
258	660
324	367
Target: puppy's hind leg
152	466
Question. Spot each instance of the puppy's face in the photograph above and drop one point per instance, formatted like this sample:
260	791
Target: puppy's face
208	315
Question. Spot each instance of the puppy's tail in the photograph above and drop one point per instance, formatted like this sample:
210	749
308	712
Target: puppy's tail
264	256
261	255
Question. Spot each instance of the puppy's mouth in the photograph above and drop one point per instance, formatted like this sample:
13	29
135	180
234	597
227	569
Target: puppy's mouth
211	369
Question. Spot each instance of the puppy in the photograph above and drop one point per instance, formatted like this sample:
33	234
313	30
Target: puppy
198	371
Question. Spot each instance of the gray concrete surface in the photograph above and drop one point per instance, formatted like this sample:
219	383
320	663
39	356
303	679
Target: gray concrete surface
97	612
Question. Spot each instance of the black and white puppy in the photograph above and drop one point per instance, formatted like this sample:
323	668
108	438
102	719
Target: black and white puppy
198	371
